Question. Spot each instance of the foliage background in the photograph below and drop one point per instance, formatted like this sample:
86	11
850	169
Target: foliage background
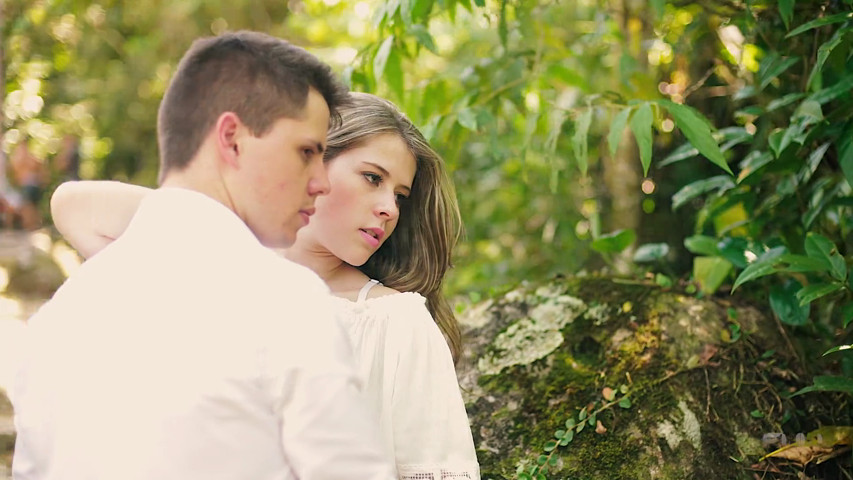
704	146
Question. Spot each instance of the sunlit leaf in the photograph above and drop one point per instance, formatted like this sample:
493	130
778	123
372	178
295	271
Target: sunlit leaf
423	37
812	292
697	131
785	305
699	187
812	163
840	17
617	127
381	58
683	152
702	245
710	273
651	252
467	118
839	348
753	163
762	266
614	242
641	125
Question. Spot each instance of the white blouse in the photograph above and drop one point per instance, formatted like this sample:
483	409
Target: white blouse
409	377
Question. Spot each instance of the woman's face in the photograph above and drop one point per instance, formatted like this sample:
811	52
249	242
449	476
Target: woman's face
368	185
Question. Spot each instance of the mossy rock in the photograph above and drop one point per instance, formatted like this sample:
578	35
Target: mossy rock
699	376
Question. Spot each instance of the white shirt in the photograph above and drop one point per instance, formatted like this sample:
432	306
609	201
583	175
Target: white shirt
410	379
186	350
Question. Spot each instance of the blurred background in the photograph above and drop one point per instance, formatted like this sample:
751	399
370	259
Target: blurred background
498	87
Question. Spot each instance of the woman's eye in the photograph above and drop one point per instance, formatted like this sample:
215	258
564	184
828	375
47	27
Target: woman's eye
401	198
373	178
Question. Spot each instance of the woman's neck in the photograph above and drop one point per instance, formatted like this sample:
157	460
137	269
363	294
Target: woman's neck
338	275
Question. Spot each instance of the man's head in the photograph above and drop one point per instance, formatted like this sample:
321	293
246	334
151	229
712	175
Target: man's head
260	107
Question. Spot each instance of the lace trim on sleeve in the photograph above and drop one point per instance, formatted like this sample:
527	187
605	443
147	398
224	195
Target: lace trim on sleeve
433	472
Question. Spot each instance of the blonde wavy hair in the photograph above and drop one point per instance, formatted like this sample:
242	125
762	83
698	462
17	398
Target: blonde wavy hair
416	257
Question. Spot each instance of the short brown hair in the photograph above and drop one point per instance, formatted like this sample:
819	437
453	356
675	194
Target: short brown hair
259	77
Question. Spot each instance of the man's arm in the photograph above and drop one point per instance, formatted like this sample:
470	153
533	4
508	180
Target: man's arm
91	214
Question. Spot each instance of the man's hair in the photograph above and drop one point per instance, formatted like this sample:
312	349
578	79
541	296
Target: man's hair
416	257
259	77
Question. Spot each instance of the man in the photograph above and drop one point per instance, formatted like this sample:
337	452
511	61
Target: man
186	349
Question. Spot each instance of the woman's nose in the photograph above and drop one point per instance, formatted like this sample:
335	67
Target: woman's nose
387	206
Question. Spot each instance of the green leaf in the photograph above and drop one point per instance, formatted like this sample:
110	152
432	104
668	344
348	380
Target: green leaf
559	434
542	460
567	439
699	187
812	163
553	461
786	10
775	66
683	152
614	242
847	314
839	348
579	139
381	58
823	53
762	266
423	37
550	445
814	291
831	93
821	248
710	272
394	73
784	303
651	252
837	18
658	7
625	402
790	262
524	476
826	383
570	423
702	245
617	126
753	163
641	125
697	131
775	140
582	415
845	154
467	118
788	99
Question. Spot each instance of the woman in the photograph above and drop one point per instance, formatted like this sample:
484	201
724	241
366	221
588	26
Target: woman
382	240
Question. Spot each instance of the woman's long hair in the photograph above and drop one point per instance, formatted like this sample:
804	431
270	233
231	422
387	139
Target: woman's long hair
417	255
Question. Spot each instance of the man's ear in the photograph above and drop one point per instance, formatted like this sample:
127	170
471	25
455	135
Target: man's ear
227	132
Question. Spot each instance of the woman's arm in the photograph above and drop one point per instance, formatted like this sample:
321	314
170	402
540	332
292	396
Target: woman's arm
91	214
